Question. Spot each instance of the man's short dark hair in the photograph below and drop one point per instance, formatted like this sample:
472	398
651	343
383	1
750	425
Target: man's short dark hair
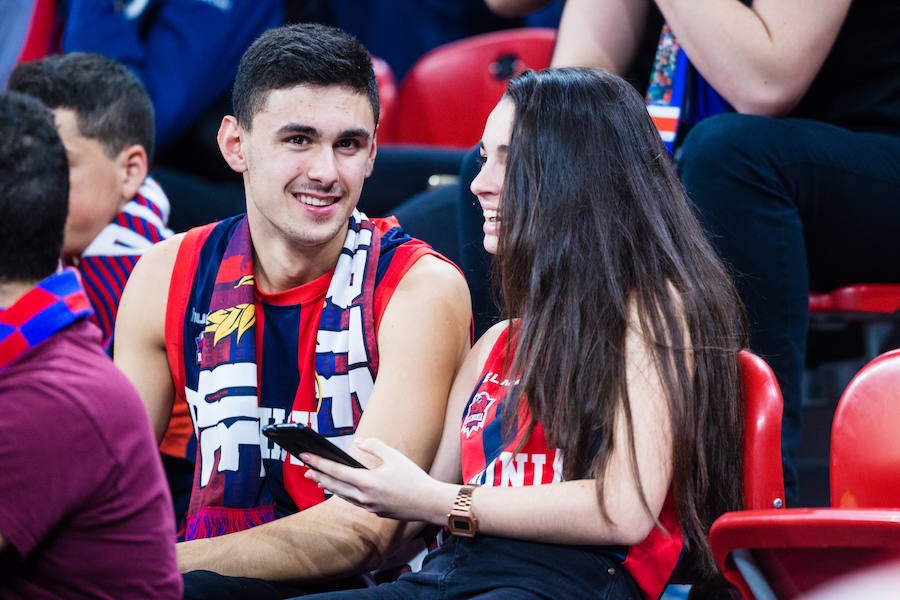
34	189
301	54
109	100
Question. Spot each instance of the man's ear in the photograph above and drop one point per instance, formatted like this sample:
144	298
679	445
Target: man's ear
135	165
229	139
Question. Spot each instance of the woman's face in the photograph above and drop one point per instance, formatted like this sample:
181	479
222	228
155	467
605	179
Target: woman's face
488	185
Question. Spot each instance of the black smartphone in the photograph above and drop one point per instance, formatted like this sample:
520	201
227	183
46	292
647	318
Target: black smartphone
297	438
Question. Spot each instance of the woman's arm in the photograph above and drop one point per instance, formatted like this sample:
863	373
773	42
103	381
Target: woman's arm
516	8
600	33
567	512
762	58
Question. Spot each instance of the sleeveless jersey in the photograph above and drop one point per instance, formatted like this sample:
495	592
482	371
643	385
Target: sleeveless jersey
286	329
489	460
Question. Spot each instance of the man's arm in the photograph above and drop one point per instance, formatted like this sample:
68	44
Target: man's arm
140	345
423	336
516	8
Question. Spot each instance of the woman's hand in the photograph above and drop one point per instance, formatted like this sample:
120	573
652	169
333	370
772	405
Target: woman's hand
397	488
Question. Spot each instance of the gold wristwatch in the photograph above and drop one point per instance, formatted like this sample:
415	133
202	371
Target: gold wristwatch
461	521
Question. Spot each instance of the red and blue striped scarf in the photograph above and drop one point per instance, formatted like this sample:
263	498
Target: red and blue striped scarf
53	304
108	261
346	363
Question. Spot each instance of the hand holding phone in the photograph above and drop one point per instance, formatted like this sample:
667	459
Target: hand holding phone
297	438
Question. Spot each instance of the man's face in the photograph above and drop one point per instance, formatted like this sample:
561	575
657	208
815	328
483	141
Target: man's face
304	163
95	185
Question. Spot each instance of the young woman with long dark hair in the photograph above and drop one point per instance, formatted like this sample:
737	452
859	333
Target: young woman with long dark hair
605	426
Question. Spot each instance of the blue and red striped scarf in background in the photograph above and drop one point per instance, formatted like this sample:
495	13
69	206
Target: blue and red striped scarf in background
107	262
52	305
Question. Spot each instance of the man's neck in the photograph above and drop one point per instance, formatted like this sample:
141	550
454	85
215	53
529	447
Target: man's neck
11	291
279	266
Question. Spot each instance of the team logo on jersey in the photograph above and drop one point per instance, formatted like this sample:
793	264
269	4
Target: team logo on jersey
476	413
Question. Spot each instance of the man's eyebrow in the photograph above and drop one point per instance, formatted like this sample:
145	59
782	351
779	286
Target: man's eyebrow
355	133
297	129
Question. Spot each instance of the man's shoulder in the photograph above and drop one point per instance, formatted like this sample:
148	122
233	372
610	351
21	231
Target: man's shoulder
70	369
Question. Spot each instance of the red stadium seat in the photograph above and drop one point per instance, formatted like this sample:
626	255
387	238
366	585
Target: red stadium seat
387	96
861	297
785	553
782	554
865	446
876	306
763	479
448	93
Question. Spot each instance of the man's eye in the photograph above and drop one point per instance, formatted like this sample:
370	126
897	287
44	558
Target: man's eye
298	140
481	160
348	144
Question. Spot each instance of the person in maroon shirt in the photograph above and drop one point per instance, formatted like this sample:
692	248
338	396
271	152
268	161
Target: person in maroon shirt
84	506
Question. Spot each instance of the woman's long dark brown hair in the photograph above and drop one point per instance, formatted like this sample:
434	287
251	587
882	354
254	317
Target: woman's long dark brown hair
595	223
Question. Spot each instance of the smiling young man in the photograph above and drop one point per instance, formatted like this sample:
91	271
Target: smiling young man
302	310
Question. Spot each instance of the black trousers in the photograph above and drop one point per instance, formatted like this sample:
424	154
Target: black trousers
492	568
794	205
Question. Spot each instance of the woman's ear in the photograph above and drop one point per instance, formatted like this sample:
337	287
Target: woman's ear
230	145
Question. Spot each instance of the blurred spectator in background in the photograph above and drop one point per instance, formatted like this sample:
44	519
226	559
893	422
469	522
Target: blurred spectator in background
116	212
14	28
185	52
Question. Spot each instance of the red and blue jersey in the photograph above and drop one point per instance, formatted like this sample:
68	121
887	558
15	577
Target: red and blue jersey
489	459
286	328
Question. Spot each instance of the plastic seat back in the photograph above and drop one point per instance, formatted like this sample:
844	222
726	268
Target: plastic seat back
387	96
786	553
858	298
763	405
865	441
448	93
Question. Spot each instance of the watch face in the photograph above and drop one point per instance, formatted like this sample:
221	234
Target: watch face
461	526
